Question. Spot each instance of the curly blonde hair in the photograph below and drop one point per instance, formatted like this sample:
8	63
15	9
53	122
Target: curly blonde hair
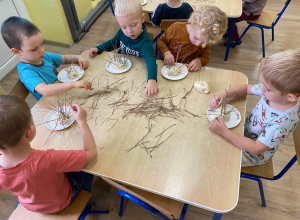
282	70
209	22
128	7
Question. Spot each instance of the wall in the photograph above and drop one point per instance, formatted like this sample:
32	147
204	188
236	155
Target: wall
50	18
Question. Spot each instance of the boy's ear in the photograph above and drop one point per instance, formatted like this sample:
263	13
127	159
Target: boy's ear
30	132
292	97
15	51
143	17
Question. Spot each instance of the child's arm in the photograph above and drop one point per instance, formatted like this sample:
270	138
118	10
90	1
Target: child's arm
244	143
89	143
109	45
194	65
58	88
163	46
237	91
201	60
67	59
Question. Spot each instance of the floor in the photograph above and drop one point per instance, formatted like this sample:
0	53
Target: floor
282	196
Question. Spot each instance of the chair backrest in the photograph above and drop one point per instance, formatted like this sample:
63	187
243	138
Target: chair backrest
281	12
165	23
269	18
19	89
175	205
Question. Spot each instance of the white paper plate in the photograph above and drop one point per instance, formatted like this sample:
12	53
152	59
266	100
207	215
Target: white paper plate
165	70
50	119
111	69
63	75
143	2
235	116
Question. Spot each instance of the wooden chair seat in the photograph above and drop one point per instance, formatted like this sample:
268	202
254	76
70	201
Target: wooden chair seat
265	170
19	89
71	212
168	207
266	18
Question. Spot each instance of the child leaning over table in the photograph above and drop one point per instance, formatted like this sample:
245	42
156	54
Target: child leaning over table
274	117
45	181
37	68
190	42
132	39
172	9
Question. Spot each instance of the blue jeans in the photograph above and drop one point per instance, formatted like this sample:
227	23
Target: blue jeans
80	180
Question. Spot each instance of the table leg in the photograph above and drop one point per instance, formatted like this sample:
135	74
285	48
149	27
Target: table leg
230	37
217	216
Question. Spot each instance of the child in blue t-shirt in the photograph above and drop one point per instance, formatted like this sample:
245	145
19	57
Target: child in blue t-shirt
37	68
132	39
172	9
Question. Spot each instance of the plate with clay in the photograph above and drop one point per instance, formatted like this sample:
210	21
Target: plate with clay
120	65
143	2
56	120
176	72
71	73
231	119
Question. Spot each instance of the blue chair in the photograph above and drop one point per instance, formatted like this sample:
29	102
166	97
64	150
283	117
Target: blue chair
162	207
265	171
267	20
77	209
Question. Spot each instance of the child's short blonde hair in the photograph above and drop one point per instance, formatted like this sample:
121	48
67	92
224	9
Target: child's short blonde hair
210	22
15	117
282	70
128	7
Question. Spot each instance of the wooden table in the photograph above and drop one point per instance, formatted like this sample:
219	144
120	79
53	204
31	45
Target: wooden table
189	163
232	8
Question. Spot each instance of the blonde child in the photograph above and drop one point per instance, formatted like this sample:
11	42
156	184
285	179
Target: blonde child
37	68
190	42
132	39
274	117
44	181
172	9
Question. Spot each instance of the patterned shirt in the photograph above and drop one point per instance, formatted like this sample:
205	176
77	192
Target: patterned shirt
269	126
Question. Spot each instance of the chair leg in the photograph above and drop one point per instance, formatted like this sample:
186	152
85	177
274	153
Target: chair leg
121	206
261	188
92	212
217	216
111	7
263	41
185	207
272	33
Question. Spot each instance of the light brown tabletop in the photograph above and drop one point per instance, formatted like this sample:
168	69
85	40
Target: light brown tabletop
162	145
232	8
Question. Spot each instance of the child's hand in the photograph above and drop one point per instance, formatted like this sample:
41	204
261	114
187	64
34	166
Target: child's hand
194	65
217	126
79	113
169	58
216	102
152	88
83	63
93	52
82	84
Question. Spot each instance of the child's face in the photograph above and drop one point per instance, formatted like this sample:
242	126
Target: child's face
271	93
32	50
131	25
194	36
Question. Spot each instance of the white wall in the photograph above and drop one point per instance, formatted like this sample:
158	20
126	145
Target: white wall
7	59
